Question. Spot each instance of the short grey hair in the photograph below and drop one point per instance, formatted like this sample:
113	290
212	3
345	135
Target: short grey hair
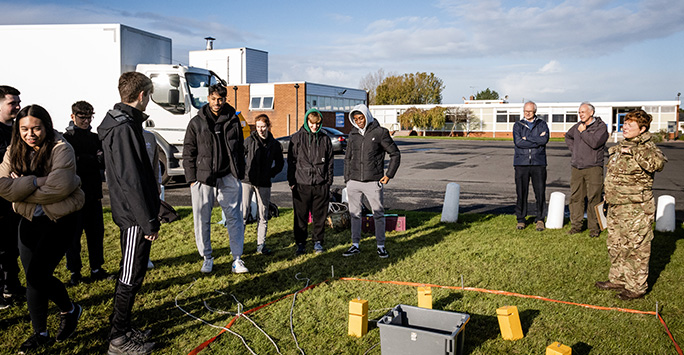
531	102
593	109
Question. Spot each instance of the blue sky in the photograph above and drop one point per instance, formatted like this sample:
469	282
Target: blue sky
547	51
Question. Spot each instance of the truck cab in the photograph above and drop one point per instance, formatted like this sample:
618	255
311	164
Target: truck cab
179	93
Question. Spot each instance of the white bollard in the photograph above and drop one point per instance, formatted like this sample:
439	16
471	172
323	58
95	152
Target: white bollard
344	196
554	219
451	199
665	214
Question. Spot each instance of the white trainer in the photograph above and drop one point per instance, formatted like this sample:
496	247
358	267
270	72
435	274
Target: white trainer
207	265
239	267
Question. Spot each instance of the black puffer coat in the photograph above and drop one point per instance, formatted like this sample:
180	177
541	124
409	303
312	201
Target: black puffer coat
365	156
261	154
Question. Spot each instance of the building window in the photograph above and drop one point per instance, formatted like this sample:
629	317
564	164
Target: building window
501	116
571	117
544	117
513	118
557	118
261	103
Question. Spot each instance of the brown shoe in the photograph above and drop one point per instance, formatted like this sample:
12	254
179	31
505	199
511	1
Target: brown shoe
520	225
627	295
540	226
574	230
607	285
594	234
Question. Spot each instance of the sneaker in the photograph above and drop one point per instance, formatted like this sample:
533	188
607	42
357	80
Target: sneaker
149	264
75	279
139	335
318	248
540	226
5	303
207	265
68	322
353	250
301	249
35	342
125	345
382	252
100	274
263	250
520	226
239	267
18	292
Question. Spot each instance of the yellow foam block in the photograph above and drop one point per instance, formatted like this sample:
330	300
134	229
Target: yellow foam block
509	322
558	349
358	307
358	318
425	297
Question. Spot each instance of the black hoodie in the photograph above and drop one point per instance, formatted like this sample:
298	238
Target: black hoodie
132	183
213	146
261	154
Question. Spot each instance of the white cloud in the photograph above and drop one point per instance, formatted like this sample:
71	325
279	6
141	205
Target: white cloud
550	67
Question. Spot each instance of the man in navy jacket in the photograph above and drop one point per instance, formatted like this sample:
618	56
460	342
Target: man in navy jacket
530	136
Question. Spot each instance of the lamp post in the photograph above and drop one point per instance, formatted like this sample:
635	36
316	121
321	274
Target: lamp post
235	96
296	86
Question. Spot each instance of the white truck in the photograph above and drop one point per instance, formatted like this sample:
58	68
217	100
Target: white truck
57	65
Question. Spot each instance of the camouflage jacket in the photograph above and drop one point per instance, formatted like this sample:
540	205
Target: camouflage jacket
630	170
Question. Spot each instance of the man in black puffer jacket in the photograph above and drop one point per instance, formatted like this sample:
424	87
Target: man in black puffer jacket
214	163
310	174
264	160
364	165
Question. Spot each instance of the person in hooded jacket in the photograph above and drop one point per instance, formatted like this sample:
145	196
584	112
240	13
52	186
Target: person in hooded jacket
530	135
264	160
89	162
364	174
135	205
214	163
310	175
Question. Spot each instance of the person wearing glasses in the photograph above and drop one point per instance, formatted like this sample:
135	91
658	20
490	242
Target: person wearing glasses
89	163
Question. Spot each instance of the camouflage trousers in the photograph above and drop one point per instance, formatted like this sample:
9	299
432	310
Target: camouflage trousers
630	232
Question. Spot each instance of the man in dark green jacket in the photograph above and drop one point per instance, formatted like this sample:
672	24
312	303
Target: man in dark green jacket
364	165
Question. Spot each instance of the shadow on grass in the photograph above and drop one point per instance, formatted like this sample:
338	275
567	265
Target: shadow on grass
480	329
662	248
581	348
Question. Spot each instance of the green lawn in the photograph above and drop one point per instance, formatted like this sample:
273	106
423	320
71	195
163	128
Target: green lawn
485	250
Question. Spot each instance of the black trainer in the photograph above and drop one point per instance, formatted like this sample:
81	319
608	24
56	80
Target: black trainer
125	345
74	280
35	342
139	335
68	323
301	249
5	302
353	250
101	274
382	252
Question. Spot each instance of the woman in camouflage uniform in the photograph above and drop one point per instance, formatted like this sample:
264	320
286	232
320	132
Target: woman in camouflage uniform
628	187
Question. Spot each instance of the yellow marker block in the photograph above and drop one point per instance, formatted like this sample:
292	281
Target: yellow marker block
558	349
509	322
425	297
358	318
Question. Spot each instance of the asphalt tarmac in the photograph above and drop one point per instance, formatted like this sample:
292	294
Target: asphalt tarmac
483	169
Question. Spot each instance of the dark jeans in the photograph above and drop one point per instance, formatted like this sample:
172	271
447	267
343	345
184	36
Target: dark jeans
523	175
136	252
90	220
42	244
9	252
314	199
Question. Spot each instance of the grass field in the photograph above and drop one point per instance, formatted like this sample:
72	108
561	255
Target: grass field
485	250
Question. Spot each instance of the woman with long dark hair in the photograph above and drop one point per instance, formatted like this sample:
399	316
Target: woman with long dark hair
38	175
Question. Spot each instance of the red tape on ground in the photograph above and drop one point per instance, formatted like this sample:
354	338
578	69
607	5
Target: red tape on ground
475	289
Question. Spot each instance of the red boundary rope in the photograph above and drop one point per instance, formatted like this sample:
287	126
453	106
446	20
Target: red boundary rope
416	284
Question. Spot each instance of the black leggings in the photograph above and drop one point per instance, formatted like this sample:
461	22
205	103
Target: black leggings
42	244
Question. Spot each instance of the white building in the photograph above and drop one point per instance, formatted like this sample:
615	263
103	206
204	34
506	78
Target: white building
495	118
237	66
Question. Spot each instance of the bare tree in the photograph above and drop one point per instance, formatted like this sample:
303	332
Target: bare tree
370	83
463	118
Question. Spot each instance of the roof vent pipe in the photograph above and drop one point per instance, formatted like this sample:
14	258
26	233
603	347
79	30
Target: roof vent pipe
210	43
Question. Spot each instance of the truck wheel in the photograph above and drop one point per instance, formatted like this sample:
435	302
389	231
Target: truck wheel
165	178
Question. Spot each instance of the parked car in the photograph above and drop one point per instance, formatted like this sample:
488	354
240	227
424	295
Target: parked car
339	140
